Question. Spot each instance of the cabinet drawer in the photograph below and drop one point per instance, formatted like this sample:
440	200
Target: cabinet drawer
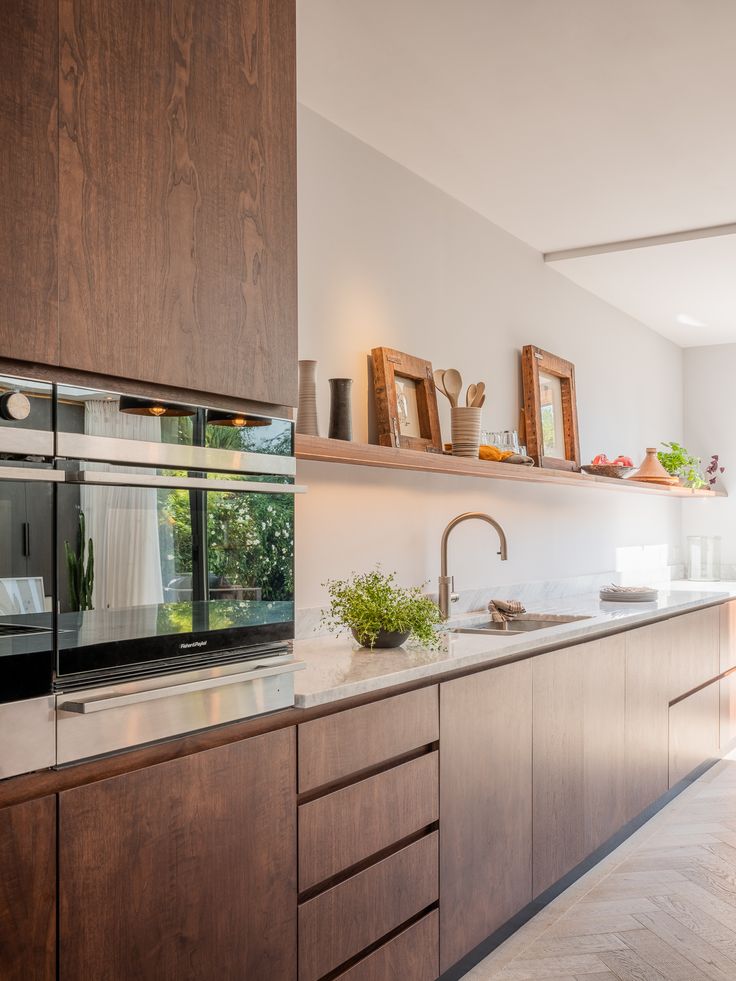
342	921
694	731
352	824
413	955
350	741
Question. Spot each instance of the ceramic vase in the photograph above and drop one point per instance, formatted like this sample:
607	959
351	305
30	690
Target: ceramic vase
341	409
306	417
465	423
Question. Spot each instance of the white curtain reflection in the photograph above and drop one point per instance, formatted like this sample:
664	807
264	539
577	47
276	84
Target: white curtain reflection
123	522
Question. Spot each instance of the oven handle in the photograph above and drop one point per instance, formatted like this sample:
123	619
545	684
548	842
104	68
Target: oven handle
260	669
31	473
108	479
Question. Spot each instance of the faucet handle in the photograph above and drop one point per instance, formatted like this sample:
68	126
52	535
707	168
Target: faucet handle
454	597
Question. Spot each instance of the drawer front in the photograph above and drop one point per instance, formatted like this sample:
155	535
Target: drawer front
412	956
352	824
342	921
350	741
694	731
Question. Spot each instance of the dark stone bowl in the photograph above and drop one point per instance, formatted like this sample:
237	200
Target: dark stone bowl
385	638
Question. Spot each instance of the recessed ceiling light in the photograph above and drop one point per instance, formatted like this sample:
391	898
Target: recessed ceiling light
688	321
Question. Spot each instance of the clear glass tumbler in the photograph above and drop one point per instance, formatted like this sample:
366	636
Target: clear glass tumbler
704	558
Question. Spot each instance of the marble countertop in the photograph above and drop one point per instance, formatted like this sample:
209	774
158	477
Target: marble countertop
337	668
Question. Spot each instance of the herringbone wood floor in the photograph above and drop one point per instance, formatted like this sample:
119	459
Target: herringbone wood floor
662	907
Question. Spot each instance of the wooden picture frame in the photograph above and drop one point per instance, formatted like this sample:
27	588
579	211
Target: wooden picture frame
406	401
550	409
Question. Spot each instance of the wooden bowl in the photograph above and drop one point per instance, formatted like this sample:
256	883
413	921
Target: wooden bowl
607	470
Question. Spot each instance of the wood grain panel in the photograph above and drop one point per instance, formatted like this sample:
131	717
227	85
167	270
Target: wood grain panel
183	870
485	805
694	731
647	715
28	891
727	614
579	717
385	808
339	923
413	955
177	250
728	711
694	650
28	203
347	742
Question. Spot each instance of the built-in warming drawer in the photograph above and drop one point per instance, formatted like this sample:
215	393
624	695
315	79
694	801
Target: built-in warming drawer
338	924
339	745
348	826
412	955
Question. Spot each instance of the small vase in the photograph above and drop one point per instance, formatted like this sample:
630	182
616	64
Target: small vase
306	418
341	415
465	421
385	638
651	470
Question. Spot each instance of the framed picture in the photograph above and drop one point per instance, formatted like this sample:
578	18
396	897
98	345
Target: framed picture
550	409
406	401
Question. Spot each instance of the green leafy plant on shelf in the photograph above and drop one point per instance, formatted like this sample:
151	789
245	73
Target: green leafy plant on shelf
81	569
681	463
371	602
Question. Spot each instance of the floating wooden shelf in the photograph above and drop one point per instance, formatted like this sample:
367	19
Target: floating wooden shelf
367	455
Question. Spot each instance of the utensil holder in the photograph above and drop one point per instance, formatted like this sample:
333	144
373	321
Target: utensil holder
465	425
306	417
341	415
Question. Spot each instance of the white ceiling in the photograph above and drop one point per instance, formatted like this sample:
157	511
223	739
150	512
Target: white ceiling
567	122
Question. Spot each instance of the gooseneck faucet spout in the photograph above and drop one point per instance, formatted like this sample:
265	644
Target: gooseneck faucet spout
447	593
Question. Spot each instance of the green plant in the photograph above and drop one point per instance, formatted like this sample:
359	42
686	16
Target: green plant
371	602
680	462
81	572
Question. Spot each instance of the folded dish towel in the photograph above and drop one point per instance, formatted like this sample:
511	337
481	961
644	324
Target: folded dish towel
504	610
494	455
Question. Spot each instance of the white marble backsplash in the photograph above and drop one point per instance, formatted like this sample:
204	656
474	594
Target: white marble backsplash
534	595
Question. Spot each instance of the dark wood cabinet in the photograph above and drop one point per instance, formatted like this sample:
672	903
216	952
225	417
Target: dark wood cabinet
28	177
177	193
28	891
485	805
186	869
578	723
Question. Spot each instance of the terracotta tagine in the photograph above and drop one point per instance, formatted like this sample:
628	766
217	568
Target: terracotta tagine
651	470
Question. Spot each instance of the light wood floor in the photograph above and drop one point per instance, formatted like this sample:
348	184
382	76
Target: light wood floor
662	906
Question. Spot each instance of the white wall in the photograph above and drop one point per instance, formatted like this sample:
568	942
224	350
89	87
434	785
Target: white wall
710	427
386	259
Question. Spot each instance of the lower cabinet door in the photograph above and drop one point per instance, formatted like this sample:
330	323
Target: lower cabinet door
694	731
579	715
728	711
485	805
28	891
183	870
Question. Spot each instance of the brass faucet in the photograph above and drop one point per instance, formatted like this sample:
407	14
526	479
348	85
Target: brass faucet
447	583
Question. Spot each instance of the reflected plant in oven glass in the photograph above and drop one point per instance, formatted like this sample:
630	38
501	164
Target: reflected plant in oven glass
80	569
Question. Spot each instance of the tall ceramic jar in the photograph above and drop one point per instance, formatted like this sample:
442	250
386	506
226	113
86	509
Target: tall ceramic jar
306	417
465	422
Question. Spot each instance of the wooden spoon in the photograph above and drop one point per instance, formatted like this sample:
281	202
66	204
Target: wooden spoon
480	389
439	382
479	401
453	383
470	394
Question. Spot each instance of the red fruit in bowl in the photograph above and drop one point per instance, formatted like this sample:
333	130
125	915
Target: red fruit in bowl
600	460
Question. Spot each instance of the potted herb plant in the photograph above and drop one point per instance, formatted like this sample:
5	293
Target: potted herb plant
681	463
378	612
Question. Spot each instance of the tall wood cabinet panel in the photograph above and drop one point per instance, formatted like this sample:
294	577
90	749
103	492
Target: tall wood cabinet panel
177	191
485	805
28	891
578	775
186	869
647	715
28	209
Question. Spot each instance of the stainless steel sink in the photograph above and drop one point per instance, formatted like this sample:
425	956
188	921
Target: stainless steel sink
519	625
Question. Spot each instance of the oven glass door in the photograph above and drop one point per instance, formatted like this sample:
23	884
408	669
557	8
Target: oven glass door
156	568
26	581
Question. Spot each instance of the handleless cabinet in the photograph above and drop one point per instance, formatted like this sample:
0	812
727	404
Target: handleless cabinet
485	805
186	869
28	891
578	777
28	177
